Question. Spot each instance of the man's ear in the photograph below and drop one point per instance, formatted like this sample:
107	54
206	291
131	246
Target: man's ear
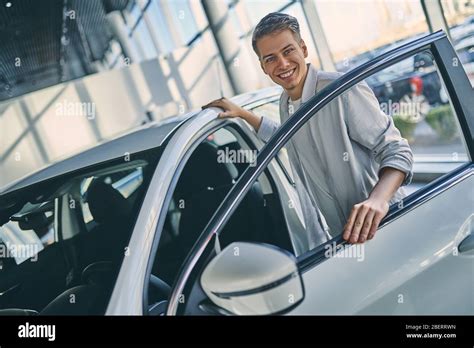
304	48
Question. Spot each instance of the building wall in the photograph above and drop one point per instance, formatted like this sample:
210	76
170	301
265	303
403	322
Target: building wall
47	125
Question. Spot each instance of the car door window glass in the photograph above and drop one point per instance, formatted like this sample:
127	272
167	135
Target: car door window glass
400	117
413	94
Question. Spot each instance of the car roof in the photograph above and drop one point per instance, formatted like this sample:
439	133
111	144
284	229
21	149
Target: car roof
149	136
144	138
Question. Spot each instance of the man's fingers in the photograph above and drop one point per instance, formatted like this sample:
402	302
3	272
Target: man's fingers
366	226
214	103
375	225
359	221
224	114
210	105
350	223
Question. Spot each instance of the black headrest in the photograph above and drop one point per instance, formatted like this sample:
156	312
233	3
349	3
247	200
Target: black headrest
106	203
205	169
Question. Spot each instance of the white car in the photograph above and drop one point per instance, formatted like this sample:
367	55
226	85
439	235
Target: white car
183	217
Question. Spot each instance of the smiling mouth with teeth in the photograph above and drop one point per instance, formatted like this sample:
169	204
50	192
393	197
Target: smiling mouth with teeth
287	74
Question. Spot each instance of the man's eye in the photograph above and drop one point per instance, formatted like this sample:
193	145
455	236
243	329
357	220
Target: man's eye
269	59
288	51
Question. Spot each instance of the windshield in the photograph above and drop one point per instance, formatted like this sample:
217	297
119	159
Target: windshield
68	238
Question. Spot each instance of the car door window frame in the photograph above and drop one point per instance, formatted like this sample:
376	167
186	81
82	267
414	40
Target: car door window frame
456	82
458	87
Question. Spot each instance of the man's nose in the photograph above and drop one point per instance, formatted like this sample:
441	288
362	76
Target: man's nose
283	62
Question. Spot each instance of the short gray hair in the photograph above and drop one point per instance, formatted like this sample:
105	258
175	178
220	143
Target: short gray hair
273	23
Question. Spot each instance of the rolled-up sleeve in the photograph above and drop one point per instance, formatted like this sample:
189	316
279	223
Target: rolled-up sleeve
267	128
369	126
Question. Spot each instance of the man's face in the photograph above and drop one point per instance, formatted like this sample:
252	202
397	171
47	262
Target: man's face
282	58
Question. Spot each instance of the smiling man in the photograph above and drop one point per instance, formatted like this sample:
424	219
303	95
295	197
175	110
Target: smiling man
350	157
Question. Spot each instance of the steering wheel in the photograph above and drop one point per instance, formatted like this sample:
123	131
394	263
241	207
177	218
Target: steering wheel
158	294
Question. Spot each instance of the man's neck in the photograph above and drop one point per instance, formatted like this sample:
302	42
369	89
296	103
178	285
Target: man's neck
297	92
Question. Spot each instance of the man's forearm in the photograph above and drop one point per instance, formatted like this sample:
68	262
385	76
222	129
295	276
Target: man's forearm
252	119
390	179
366	216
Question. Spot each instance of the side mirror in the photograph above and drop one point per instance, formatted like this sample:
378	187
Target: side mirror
253	279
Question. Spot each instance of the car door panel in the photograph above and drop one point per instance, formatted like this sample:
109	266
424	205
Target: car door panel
412	267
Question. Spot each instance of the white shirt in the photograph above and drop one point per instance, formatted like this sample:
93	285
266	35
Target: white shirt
339	152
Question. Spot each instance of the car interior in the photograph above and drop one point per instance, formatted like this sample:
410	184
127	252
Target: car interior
80	228
201	187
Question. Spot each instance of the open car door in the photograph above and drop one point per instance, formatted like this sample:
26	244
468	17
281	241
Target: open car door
421	259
